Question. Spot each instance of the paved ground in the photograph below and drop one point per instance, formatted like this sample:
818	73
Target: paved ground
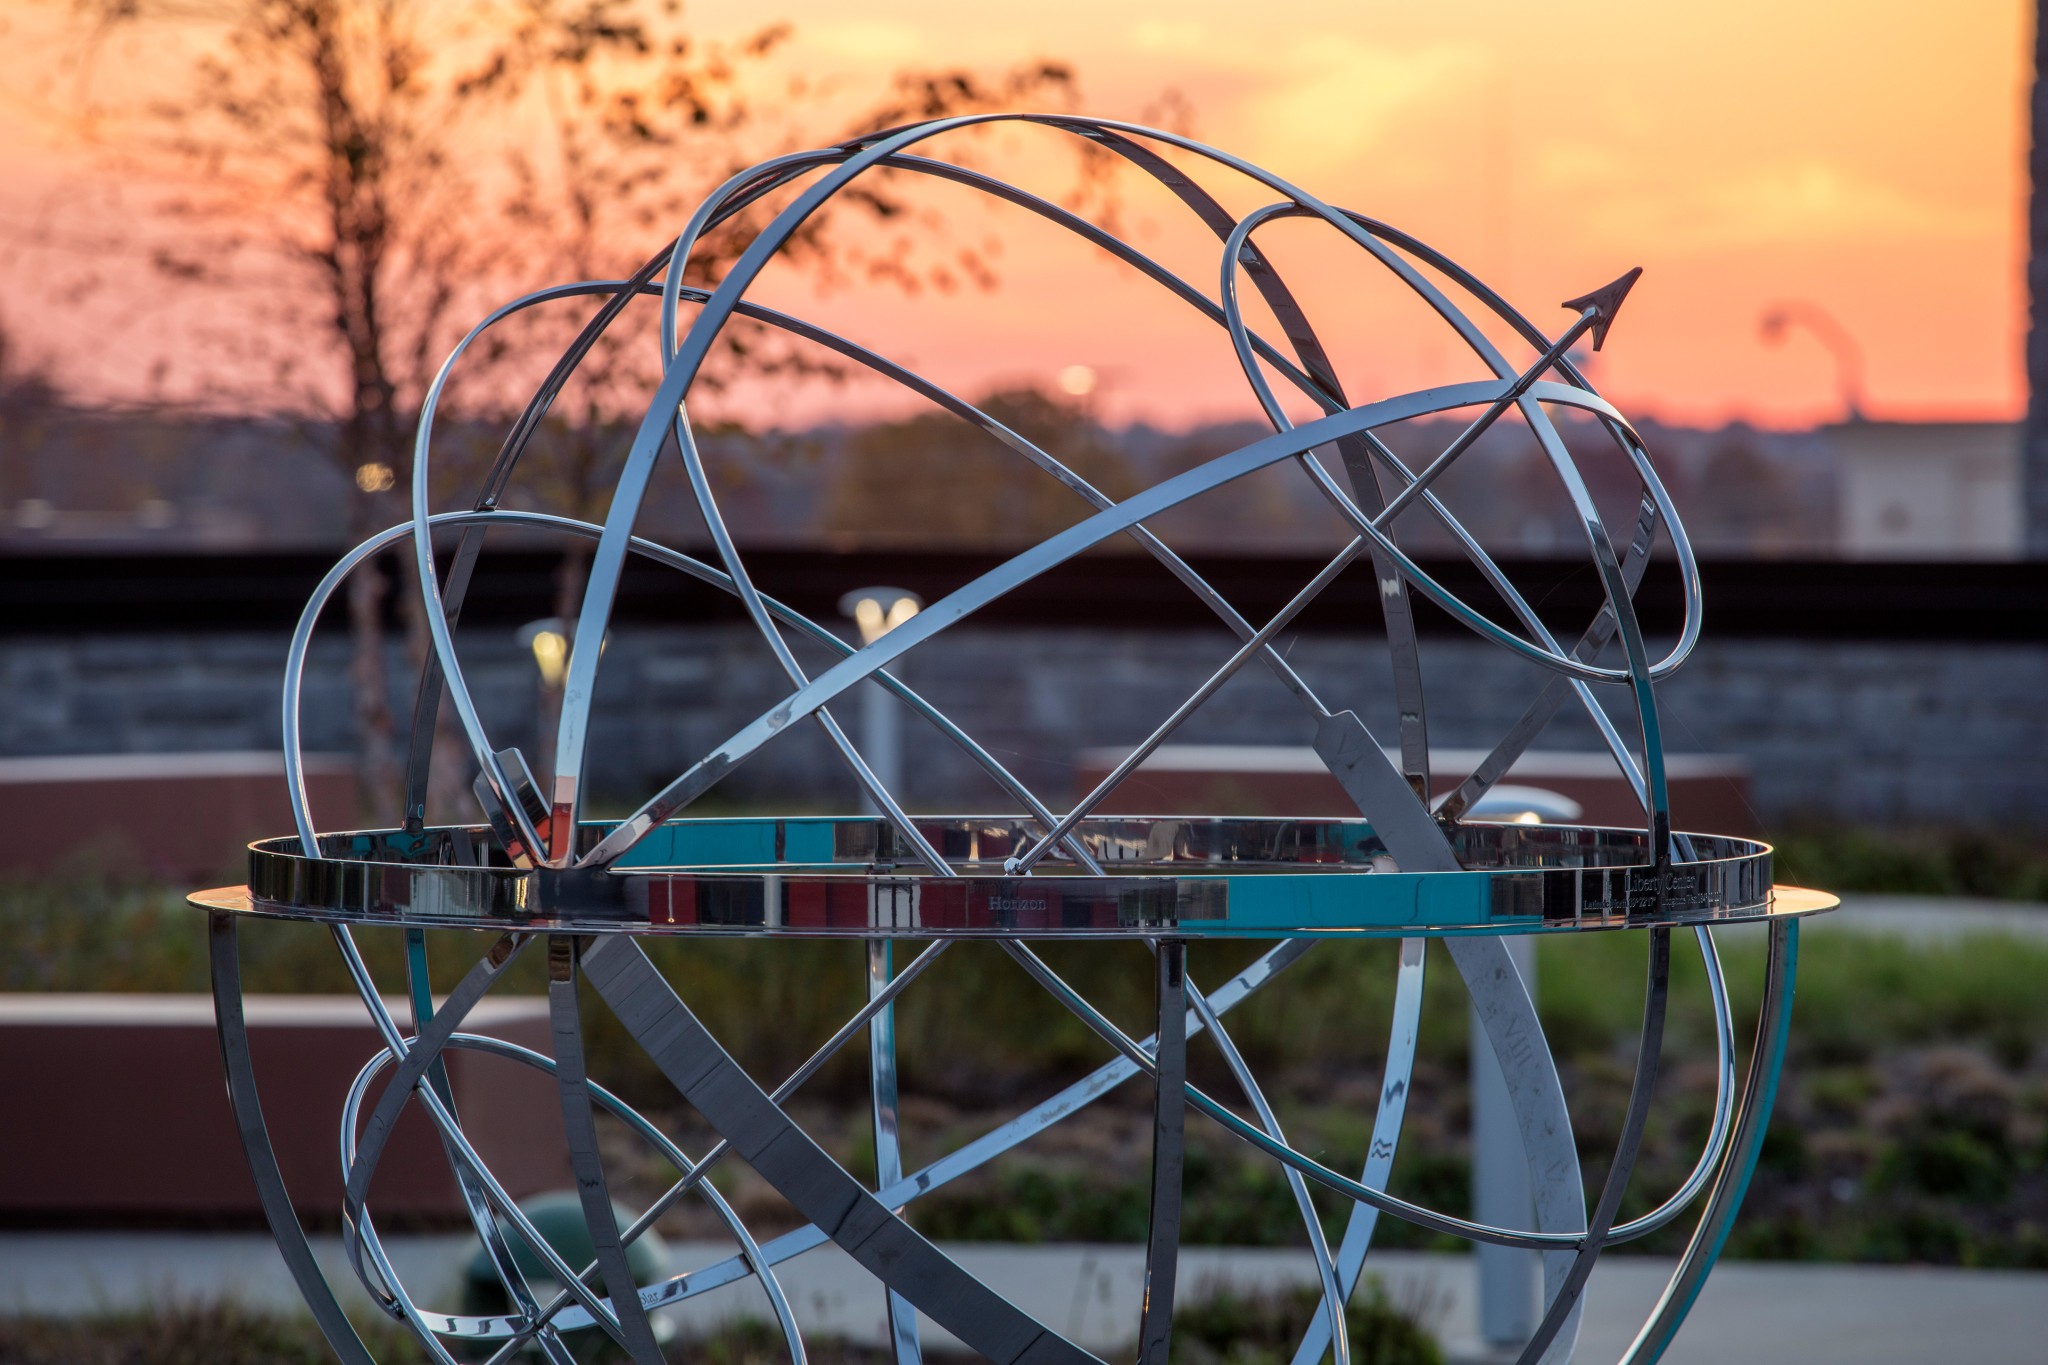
1750	1312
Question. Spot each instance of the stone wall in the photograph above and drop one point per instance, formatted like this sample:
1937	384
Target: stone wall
1891	733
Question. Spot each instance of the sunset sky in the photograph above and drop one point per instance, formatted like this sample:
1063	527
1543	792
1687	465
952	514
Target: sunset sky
1866	156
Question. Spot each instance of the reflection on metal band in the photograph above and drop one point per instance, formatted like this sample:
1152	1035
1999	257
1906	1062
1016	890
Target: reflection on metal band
837	877
1169	1153
818	1187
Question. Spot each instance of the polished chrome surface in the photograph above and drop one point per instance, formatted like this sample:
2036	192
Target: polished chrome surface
1173	877
1169	1153
535	875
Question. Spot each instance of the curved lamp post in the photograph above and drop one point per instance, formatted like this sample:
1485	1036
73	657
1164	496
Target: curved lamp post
1829	332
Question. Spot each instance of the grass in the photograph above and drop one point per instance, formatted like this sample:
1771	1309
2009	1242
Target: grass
1230	1328
1913	1124
1997	864
210	1334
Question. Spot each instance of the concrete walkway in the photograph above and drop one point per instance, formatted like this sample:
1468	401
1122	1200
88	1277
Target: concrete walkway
1750	1312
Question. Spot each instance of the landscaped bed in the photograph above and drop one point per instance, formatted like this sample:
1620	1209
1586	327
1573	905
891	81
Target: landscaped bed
1913	1123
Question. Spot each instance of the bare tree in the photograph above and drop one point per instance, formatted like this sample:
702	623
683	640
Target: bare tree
329	158
29	409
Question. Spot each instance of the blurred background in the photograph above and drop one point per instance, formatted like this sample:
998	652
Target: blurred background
238	237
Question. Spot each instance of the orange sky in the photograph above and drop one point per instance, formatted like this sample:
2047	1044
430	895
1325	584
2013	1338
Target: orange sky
1867	155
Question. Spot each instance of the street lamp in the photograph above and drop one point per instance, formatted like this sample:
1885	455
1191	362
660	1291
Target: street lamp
549	642
1829	332
1510	1301
875	612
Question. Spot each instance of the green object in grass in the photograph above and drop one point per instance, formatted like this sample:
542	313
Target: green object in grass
558	1217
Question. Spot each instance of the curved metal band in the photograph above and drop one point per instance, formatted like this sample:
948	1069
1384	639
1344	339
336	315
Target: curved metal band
617	291
1624	435
1319	380
1204	206
961	1161
1320	384
800	1170
1063	546
1501	1004
1335	1292
294	752
885	1108
1565	1305
1236	250
1103	1028
734	580
689	356
1617	586
579	1127
427	699
361	1153
475	1198
1174	877
1169	1150
1723	1121
1395	1078
224	957
1759	1093
517	1329
695	1173
360	1160
479	1189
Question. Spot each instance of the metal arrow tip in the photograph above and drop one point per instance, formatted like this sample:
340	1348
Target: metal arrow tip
1605	303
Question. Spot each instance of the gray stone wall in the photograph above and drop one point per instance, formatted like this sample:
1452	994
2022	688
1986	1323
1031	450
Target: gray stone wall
1879	732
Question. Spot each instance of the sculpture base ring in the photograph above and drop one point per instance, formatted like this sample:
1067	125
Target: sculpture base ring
1168	877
